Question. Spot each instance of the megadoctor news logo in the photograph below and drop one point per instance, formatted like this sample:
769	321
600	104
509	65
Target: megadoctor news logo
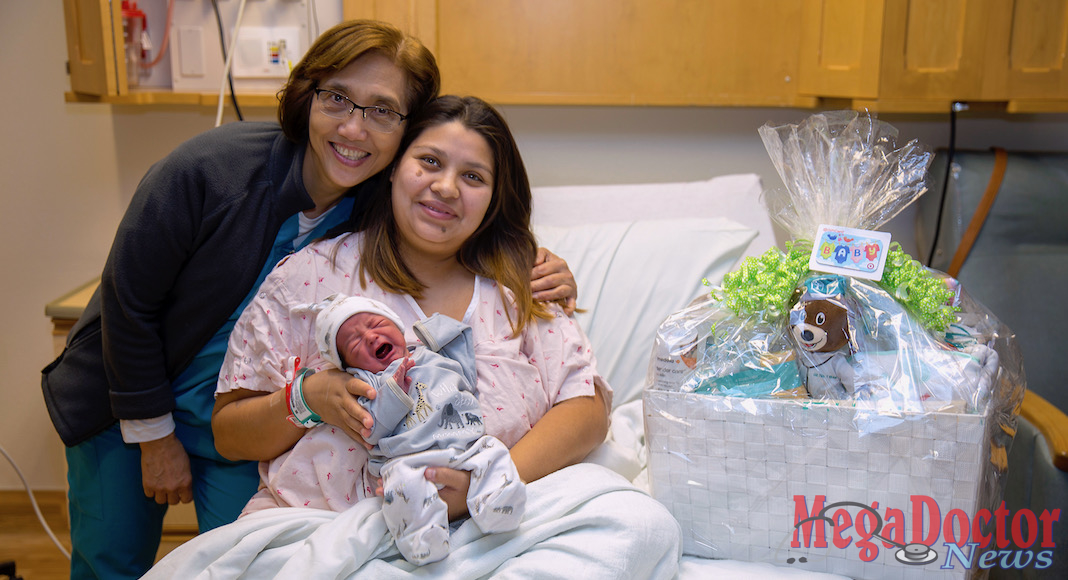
965	538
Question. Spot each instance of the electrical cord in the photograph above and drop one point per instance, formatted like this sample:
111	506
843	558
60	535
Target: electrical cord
945	179
229	76
313	16
33	501
166	38
229	61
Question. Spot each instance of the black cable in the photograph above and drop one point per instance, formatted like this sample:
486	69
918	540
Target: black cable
222	44
945	181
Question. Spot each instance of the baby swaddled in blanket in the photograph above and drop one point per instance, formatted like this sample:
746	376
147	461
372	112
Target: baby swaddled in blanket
439	424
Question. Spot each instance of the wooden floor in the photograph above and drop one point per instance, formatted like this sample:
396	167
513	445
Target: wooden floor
24	541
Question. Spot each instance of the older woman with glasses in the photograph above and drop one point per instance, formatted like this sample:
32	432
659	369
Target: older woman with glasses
133	393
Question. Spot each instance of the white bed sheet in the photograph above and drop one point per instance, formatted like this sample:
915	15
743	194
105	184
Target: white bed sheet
573	507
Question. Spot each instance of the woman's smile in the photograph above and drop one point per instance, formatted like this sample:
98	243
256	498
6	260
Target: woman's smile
349	156
442	187
438	210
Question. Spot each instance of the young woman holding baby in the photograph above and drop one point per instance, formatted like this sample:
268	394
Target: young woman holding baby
449	234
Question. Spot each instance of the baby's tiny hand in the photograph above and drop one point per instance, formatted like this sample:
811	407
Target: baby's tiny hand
401	375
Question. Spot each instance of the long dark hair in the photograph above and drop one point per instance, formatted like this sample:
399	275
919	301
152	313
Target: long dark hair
503	247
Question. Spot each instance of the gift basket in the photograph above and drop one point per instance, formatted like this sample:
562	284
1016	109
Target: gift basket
834	404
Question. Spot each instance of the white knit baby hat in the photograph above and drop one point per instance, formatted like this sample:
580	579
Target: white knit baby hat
335	310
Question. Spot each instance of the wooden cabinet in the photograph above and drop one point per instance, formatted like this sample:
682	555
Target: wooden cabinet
885	55
97	64
567	52
91	46
923	55
1034	63
610	52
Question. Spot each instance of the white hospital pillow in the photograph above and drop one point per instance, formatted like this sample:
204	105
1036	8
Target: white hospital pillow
631	275
735	197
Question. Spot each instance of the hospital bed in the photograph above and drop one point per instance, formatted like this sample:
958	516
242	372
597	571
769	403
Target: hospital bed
639	253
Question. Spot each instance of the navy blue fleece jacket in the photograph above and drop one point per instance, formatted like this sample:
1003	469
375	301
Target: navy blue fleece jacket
188	250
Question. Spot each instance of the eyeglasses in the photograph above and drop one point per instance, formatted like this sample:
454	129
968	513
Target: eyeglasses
338	106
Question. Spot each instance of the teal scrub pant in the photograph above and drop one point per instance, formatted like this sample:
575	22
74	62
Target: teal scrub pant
115	529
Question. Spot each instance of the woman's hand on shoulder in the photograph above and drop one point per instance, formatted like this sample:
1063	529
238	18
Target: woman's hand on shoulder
552	280
334	396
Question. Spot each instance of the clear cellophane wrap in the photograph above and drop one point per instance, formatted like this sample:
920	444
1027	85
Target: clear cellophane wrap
920	349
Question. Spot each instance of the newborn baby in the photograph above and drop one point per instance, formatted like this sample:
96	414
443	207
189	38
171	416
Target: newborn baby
425	414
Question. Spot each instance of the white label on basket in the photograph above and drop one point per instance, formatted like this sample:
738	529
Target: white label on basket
850	252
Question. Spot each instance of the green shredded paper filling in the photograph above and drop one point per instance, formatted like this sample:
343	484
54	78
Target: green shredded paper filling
763	286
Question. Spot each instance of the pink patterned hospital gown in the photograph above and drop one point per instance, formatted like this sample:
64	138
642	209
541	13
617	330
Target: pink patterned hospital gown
519	378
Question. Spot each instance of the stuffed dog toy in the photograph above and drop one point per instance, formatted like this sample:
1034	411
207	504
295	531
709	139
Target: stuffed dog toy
820	328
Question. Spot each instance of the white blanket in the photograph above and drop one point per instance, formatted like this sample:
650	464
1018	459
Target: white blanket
571	531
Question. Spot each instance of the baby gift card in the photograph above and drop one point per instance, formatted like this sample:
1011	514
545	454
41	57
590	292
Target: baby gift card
850	252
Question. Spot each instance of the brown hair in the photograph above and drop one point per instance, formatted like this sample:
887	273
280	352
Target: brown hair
341	45
503	247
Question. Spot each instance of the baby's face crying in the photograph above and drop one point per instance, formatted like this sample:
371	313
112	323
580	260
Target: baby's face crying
369	341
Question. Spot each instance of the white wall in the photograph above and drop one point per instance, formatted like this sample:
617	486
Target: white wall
68	170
